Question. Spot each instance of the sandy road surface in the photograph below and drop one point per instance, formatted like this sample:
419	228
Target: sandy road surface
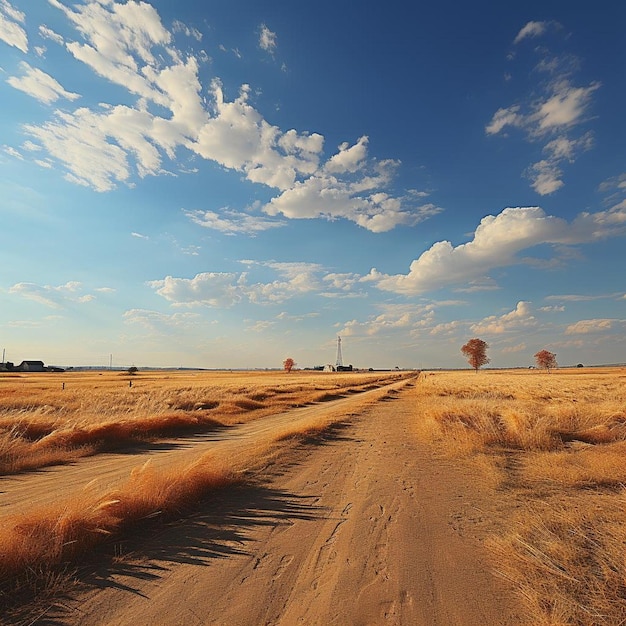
366	528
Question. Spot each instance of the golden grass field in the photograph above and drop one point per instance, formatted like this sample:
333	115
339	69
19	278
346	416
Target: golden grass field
48	419
553	446
54	419
550	445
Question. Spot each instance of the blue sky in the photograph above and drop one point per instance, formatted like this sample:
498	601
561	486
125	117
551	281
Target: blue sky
230	184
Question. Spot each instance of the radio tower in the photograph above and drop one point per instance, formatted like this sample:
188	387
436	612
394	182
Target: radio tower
339	358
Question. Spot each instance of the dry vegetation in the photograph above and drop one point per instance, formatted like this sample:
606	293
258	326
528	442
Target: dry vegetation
95	412
50	419
553	446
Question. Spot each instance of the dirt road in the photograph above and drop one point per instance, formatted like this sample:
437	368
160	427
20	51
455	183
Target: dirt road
365	528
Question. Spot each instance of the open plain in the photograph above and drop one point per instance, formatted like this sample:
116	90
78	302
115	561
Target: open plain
314	498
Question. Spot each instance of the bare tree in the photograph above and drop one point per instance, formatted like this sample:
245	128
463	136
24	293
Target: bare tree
475	350
289	364
546	360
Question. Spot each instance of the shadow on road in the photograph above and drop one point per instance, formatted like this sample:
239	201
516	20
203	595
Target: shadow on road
221	526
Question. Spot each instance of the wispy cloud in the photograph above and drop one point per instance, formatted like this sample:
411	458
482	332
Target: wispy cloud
156	321
531	30
56	297
585	327
552	117
232	222
127	45
11	29
40	85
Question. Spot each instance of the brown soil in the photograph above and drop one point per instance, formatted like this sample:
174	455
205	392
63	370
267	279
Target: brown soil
364	527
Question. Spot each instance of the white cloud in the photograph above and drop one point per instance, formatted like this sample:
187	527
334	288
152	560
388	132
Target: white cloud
127	45
520	317
214	289
40	85
349	158
585	327
358	197
496	242
393	319
447	328
550	117
79	140
504	117
545	176
267	39
568	149
155	321
232	222
581	298
565	107
239	138
531	29
223	290
10	30
48	33
13	152
54	297
562	107
179	27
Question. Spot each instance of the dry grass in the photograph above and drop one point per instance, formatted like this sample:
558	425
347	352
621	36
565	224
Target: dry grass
35	546
38	546
554	446
49	419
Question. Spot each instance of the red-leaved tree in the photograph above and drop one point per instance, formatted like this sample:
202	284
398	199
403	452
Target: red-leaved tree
545	360
475	350
289	364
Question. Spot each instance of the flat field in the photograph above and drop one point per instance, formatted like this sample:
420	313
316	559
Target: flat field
454	497
553	447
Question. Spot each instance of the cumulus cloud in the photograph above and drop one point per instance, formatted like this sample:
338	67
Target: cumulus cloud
127	45
40	85
226	289
496	243
238	138
11	30
552	117
393	319
520	317
355	191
